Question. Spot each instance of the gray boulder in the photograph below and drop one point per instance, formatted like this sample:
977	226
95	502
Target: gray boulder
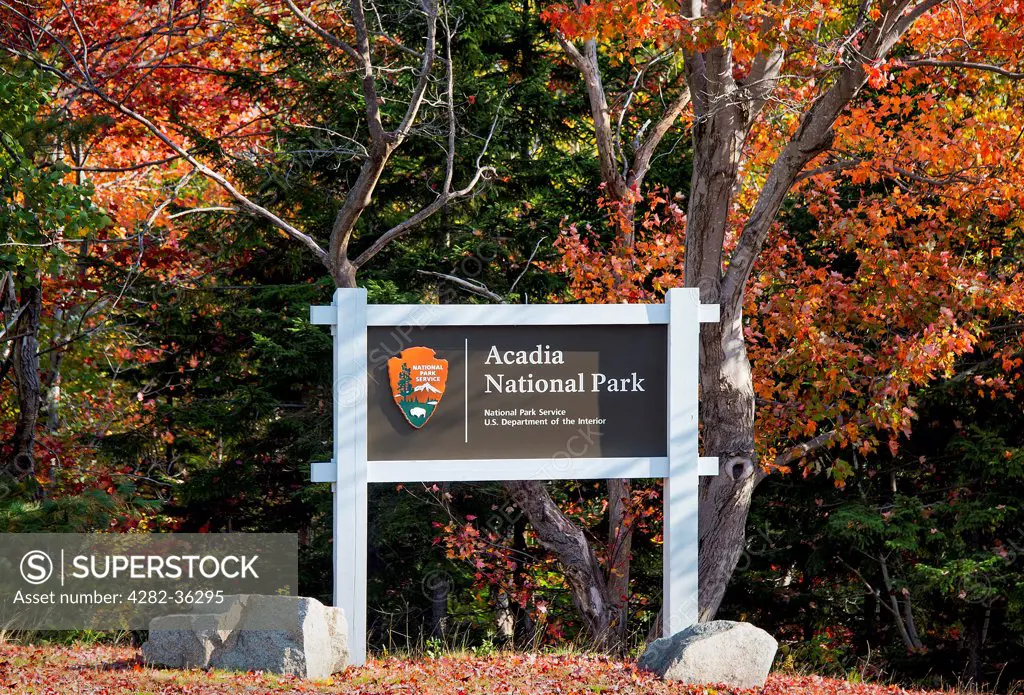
280	634
187	641
734	654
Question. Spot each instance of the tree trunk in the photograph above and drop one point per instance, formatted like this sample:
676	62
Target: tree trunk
26	377
727	411
620	548
506	622
523	629
975	629
727	402
439	609
600	614
344	274
51	389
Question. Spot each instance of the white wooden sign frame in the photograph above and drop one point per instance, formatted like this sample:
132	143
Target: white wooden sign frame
350	472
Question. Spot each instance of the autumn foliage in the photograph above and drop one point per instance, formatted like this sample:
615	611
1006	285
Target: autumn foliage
173	365
119	671
900	247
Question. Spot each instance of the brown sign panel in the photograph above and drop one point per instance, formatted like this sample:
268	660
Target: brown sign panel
516	392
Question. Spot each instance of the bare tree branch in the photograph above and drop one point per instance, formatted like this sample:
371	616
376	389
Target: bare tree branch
409	223
382	143
477	288
831	168
150	48
195	211
963	64
327	36
127	168
244	202
586	63
642	158
800	451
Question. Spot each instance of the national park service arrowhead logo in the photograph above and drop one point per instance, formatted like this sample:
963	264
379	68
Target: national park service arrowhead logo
417	380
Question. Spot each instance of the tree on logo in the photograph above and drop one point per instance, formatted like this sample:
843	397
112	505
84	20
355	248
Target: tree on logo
405	388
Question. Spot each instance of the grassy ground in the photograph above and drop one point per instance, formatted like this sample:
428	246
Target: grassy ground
106	670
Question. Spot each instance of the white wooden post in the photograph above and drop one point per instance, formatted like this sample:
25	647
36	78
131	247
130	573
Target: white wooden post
350	513
679	604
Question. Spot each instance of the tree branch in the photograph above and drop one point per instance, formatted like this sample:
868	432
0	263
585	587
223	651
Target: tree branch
477	288
813	137
927	62
382	143
193	211
127	168
328	37
244	202
409	223
586	63
834	167
644	154
809	447
430	8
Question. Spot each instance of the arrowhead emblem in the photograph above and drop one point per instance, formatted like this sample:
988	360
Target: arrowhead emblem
417	379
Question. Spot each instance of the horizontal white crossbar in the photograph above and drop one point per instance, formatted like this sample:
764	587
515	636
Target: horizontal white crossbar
420	315
516	469
511	469
323	315
707	465
323	472
709	313
514	314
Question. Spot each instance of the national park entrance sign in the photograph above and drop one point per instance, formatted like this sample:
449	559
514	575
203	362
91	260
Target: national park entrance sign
433	393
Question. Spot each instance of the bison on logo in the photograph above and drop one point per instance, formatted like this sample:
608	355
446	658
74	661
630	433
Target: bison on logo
417	379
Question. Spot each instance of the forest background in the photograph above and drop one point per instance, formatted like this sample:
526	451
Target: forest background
182	180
